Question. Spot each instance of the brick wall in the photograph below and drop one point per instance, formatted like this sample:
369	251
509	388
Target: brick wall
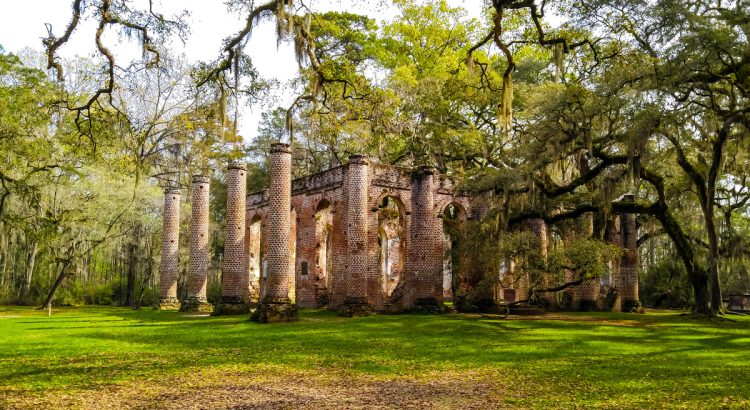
344	203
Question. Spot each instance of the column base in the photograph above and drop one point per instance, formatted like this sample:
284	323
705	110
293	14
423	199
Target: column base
168	304
428	305
587	305
354	307
195	304
630	306
274	313
231	306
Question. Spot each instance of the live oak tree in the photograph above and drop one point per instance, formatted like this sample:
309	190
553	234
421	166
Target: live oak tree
554	120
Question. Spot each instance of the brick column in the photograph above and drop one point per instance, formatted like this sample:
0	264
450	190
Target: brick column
169	270
235	282
627	283
275	305
356	302
425	253
199	257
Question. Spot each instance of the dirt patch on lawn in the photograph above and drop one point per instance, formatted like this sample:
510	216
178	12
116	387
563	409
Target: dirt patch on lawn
264	390
559	316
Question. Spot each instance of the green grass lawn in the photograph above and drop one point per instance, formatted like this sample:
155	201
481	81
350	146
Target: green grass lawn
100	357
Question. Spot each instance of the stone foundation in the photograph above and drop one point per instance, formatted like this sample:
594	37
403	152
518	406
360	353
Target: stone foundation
168	304
231	306
196	305
429	305
274	312
355	307
630	306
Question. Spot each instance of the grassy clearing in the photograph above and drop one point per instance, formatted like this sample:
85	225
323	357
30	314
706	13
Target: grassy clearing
96	357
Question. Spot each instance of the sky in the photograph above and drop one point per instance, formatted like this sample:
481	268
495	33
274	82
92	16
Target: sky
22	24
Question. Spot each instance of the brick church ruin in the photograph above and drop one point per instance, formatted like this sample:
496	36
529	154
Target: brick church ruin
356	238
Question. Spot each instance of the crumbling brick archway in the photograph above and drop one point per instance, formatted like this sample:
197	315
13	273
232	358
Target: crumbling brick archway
453	216
324	251
254	254
391	243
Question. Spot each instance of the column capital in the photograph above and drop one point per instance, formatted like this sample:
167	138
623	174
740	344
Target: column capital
280	147
201	179
425	170
359	159
237	164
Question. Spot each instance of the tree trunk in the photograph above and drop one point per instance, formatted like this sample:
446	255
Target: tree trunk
706	191
63	272
132	261
714	285
3	254
29	270
146	280
700	292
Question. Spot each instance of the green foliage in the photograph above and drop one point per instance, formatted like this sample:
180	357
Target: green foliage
587	258
479	263
213	292
666	286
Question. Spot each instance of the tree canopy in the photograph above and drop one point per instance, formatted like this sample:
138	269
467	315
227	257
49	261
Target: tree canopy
551	109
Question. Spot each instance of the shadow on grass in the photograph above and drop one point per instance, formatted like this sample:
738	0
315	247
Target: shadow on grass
657	353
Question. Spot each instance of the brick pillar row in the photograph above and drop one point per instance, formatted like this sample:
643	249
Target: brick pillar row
169	268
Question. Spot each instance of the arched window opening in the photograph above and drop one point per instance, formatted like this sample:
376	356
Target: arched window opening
255	255
323	233
390	234
453	217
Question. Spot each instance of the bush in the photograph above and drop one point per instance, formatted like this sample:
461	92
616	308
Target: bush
99	294
150	297
666	285
213	292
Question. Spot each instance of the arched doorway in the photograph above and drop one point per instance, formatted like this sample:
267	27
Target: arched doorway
453	217
390	243
323	256
255	255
